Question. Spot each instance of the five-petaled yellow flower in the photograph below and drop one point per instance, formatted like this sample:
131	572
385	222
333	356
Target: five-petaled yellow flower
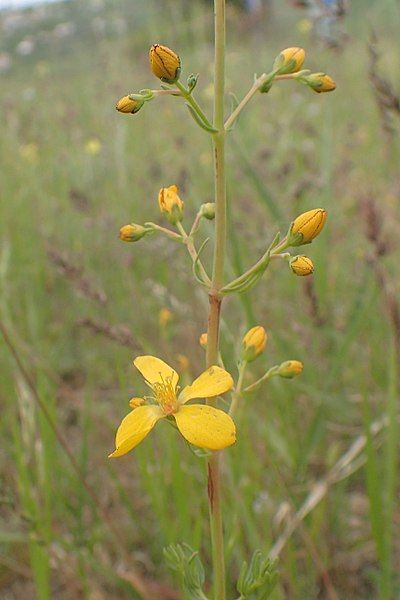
201	425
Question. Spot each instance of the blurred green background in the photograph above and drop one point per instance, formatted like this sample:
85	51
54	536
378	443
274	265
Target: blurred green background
313	476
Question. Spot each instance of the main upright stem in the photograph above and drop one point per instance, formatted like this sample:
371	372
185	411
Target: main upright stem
214	478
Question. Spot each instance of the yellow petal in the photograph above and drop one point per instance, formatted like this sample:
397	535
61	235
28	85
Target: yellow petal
213	382
155	370
205	426
134	428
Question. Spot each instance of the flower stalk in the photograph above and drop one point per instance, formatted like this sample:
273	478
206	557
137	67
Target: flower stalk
214	463
193	104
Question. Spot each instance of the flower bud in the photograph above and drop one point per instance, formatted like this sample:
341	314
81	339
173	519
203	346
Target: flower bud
208	210
290	369
170	204
203	340
289	60
164	63
306	227
253	343
192	81
129	105
132	232
320	82
302	265
135	402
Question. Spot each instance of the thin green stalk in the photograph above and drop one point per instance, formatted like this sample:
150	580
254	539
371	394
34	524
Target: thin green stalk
270	373
188	241
251	93
238	391
214	474
193	103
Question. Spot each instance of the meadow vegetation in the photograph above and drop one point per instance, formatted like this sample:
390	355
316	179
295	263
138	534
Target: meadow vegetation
314	471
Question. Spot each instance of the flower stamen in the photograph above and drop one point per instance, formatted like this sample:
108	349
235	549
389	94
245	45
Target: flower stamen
165	393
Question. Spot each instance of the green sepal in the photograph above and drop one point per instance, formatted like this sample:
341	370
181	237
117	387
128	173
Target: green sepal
267	85
173	79
294	239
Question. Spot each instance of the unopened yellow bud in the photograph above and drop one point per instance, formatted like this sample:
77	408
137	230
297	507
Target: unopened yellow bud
203	340
135	402
320	82
132	232
128	105
306	227
289	60
164	317
254	343
302	265
290	369
165	64
208	210
170	204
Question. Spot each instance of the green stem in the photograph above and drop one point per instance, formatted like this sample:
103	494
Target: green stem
165	231
238	390
214	474
252	92
270	373
196	224
193	103
188	241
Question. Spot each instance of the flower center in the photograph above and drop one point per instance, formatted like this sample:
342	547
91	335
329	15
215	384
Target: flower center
165	395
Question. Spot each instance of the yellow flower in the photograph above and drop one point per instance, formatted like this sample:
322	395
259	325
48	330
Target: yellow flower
307	226
203	340
254	343
93	146
170	204
302	265
289	60
290	368
164	63
132	232
164	317
320	82
129	105
201	425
